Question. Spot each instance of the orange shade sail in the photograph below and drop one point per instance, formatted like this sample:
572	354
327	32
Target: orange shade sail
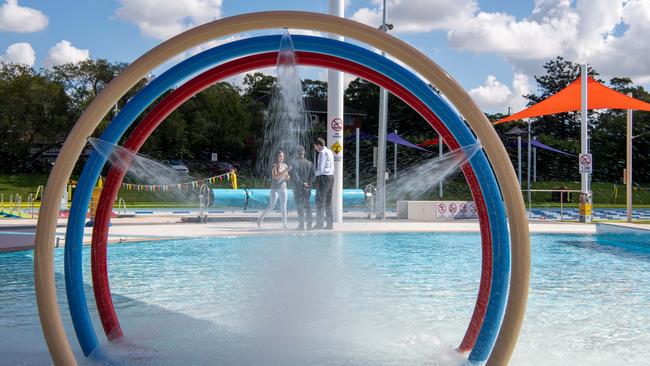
568	100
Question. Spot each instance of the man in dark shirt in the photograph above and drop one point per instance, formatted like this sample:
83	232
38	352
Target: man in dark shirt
302	175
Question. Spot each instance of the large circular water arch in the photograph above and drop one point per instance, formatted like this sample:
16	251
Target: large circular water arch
509	327
490	227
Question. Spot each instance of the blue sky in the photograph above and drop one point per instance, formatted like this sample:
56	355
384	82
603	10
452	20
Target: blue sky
493	48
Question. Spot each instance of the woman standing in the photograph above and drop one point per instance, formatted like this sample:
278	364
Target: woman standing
280	174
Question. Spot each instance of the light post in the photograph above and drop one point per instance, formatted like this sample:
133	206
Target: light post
517	131
381	143
628	172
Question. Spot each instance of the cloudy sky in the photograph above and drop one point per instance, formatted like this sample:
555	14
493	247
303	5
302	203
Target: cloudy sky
492	47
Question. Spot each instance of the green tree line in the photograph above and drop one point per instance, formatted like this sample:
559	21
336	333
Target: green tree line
38	107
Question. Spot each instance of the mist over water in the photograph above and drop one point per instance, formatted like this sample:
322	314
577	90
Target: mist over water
142	170
417	180
286	125
280	300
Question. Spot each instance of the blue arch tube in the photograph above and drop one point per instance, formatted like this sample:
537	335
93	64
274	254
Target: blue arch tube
200	62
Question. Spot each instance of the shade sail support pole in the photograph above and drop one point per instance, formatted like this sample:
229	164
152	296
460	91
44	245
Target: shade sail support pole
585	178
628	161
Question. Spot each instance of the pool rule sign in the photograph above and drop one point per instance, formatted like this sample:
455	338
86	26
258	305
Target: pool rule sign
585	163
585	207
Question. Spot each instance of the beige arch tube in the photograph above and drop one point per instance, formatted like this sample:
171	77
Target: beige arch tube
48	308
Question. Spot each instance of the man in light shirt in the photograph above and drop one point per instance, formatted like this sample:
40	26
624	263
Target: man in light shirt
324	182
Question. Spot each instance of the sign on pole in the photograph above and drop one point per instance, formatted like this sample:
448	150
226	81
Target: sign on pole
214	157
584	163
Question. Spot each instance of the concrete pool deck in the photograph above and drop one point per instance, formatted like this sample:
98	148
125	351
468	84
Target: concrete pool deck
19	234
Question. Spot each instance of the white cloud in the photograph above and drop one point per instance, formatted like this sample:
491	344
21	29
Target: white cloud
19	53
580	32
608	34
162	19
64	52
494	96
417	15
628	54
16	18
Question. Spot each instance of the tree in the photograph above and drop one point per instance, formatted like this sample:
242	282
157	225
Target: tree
560	130
33	109
84	80
216	120
609	138
315	88
258	84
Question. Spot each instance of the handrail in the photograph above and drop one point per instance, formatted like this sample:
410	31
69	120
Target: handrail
39	190
121	203
18	204
552	190
561	197
30	204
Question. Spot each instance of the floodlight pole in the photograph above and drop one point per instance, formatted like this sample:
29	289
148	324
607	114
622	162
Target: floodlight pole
530	204
535	161
335	121
628	160
519	159
440	141
586	200
381	142
356	164
395	158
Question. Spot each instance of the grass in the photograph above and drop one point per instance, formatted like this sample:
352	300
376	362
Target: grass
454	189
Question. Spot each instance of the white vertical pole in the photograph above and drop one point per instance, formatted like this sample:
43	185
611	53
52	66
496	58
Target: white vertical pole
534	162
584	148
440	142
530	204
334	127
628	160
395	159
383	127
519	159
356	165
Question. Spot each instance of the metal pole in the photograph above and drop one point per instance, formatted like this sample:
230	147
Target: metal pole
440	141
395	159
519	158
381	155
534	162
530	206
561	206
335	121
586	200
628	159
356	179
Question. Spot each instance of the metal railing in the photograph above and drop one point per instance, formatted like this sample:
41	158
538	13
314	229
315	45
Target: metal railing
121	206
561	191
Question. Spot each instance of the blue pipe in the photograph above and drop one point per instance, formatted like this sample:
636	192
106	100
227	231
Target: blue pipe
198	63
259	198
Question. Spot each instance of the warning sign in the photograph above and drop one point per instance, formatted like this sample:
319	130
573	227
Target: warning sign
337	148
337	124
585	163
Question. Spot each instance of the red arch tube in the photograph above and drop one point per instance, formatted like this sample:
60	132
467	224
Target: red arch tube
137	138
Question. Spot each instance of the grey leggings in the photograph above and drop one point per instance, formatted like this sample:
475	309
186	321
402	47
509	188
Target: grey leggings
276	193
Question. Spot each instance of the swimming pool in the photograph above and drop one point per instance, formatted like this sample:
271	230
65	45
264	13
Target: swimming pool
359	299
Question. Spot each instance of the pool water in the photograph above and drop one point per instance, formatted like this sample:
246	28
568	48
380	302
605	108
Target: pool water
353	299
